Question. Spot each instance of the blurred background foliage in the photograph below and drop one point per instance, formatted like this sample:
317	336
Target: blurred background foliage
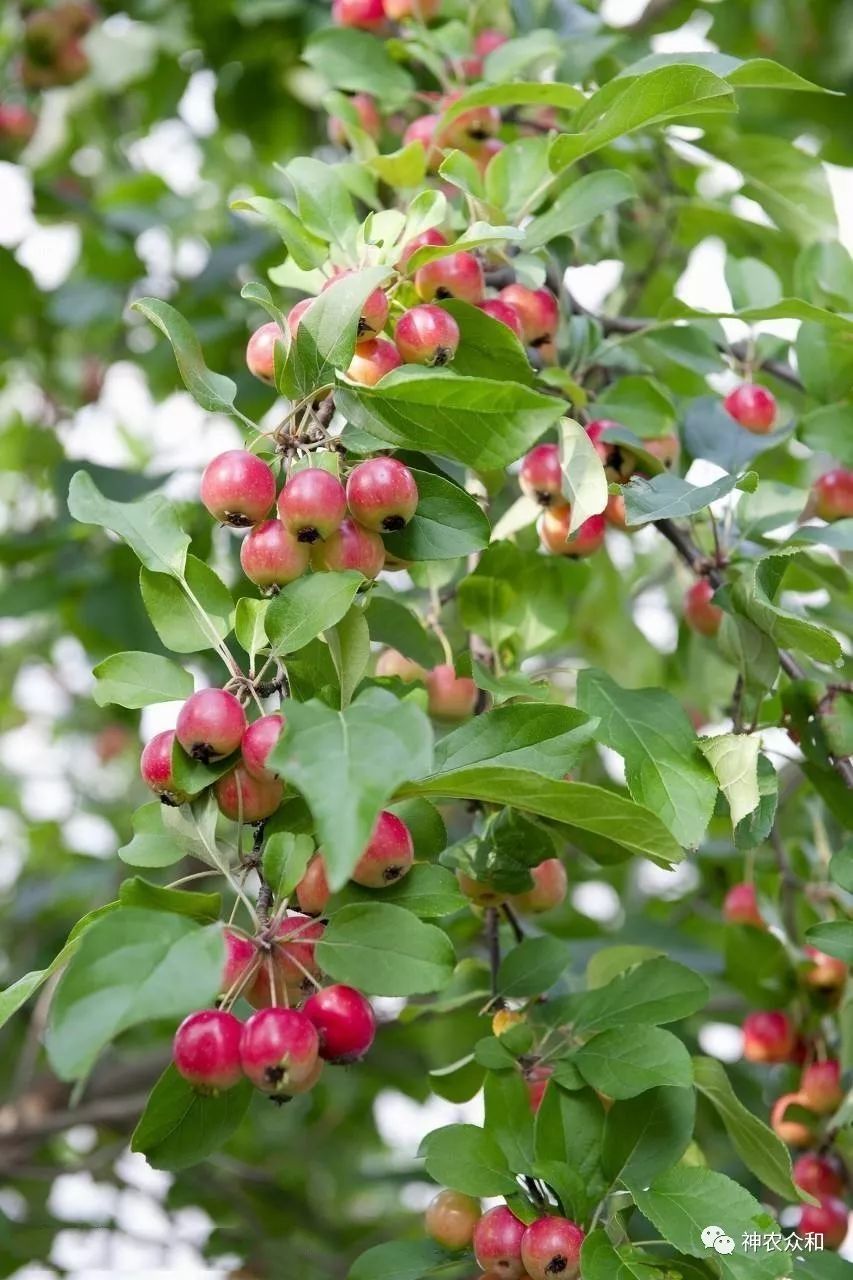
127	183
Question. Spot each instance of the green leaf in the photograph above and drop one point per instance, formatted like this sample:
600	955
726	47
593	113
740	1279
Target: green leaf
183	625
752	830
584	479
476	421
131	966
151	845
309	606
654	992
761	1151
734	759
323	202
348	764
668	497
180	1126
468	1159
518	94
385	951
139	680
754	596
532	967
786	180
326	337
349	645
308	251
642	405
13	997
213	391
523	736
786	309
609	962
137	892
600	1260
487	348
752	283
568	1132
628	1061
358	62
825	361
250	625
668	93
577	806
577	206
394	623
477	235
285	858
403	168
508	1117
677	1204
664	769
830	430
646	1135
835	937
427	891
150	526
447	524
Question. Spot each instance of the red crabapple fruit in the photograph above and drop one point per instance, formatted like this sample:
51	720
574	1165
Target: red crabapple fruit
206	1050
260	352
504	313
313	892
374	313
350	547
237	488
820	1085
450	697
700	613
372	360
551	1247
541	476
242	797
155	766
537	309
433	238
819	1175
427	335
312	504
825	973
389	853
344	1021
740	906
833	494
753	407
793	1131
497	1243
550	886
456	275
830	1219
271	557
211	724
368	15
258	741
278	1049
553	528
424	131
423	10
382	494
768	1036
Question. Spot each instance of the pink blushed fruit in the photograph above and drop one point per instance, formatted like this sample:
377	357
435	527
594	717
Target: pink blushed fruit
541	476
389	853
551	1247
344	1022
271	557
820	1085
393	663
753	407
382	494
313	892
700	613
237	488
206	1050
295	315
553	529
619	463
433	237
368	15
450	697
833	495
450	1219
424	130
497	1243
830	1219
427	335
536	1080
456	275
740	906
312	504
481	892
537	309
258	741
422	10
504	314
369	119
768	1036
155	766
550	886
372	360
667	449
350	547
211	724
260	352
820	1176
827	974
278	1049
470	127
242	797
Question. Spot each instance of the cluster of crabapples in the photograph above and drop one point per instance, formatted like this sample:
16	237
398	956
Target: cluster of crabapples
299	1024
52	54
505	1247
799	1117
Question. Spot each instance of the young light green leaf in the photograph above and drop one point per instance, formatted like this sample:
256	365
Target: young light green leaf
348	764
734	759
358	62
150	526
152	845
309	606
213	391
480	422
327	333
139	680
250	624
582	202
307	250
349	645
384	950
584	481
285	858
186	624
138	892
131	966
